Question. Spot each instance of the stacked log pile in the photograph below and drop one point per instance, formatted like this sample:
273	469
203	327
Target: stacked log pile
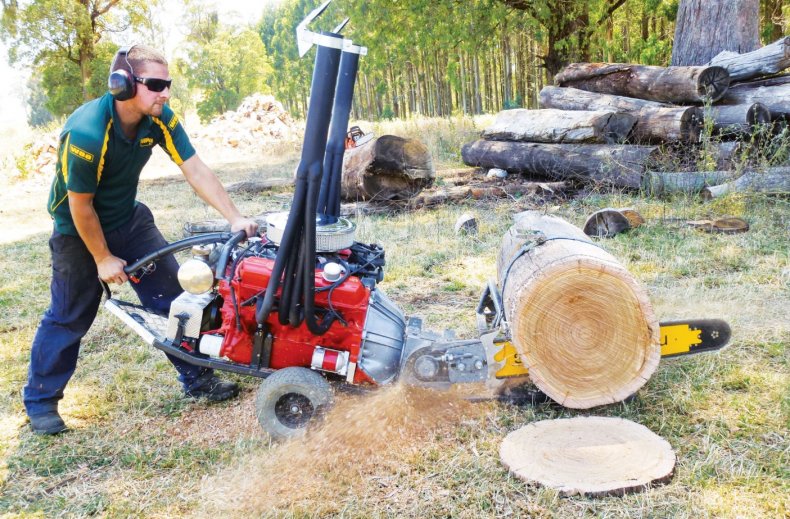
622	124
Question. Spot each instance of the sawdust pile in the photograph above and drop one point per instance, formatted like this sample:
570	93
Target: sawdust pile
362	438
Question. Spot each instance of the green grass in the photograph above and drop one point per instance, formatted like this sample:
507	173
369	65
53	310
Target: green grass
137	448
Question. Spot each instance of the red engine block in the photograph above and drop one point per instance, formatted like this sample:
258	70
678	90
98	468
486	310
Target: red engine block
291	346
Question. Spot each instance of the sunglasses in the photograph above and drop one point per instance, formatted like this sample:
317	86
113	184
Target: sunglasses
154	84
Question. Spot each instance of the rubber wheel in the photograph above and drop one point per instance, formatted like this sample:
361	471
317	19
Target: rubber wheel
289	399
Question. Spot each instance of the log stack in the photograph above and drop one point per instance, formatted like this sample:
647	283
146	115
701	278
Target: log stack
602	123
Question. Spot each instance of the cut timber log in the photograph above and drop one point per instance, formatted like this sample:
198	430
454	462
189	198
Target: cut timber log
772	180
692	182
581	323
615	165
774	93
666	85
483	192
656	122
588	455
736	120
560	126
770	59
609	221
387	168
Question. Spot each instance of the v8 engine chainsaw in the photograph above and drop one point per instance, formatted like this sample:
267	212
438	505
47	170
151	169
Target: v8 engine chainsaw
300	305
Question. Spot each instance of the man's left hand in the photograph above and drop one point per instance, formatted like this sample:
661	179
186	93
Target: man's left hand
248	225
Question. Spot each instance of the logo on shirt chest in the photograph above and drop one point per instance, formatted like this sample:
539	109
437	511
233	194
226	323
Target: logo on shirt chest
146	142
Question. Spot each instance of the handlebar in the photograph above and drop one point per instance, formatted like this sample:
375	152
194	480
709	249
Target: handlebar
176	246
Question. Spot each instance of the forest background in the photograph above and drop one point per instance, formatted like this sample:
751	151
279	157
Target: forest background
431	58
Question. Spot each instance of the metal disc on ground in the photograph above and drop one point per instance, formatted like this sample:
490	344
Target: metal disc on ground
591	455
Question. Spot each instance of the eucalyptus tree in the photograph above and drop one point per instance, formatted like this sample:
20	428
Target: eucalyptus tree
67	33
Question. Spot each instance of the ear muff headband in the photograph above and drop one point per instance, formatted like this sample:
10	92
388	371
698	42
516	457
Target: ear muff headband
121	83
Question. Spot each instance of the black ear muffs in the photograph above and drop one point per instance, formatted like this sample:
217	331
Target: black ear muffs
121	82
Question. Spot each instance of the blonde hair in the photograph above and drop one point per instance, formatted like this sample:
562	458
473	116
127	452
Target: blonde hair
138	57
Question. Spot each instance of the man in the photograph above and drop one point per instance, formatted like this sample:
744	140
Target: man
99	227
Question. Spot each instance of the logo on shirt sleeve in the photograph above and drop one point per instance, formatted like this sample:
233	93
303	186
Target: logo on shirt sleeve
173	122
78	152
146	142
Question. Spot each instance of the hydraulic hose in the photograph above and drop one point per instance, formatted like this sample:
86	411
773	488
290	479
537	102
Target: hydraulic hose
179	245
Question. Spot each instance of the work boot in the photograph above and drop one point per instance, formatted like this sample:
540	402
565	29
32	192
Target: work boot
213	388
47	423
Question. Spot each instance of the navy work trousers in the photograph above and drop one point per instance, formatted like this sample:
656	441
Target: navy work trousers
76	294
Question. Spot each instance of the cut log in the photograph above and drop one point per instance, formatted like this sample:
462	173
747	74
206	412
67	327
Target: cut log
387	168
773	93
588	455
737	120
770	59
656	122
581	323
772	180
615	165
666	85
560	126
691	182
727	153
609	221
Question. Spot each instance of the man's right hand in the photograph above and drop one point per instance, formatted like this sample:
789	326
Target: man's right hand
111	270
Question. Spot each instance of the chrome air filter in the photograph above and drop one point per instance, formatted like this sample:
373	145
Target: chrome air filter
328	238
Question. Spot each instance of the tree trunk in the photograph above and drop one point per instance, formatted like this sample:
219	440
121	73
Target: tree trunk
387	168
581	323
770	59
772	180
773	93
736	120
666	85
704	28
560	126
616	165
656	122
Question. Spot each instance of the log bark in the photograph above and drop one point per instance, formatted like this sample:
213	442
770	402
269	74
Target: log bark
770	59
704	28
737	120
387	168
581	323
561	126
691	182
483	192
588	455
772	180
656	122
257	186
666	85
773	93
615	165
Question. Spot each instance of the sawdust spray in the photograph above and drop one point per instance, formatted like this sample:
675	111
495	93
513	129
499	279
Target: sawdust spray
361	438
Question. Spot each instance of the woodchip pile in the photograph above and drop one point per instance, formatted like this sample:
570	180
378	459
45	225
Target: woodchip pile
260	119
613	124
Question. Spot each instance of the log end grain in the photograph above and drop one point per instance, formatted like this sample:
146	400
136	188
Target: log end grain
592	456
712	83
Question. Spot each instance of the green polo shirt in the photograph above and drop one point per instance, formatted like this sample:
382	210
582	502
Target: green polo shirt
94	156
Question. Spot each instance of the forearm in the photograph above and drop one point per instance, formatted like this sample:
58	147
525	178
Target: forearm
89	228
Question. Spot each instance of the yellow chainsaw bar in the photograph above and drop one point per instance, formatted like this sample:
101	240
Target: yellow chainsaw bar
677	338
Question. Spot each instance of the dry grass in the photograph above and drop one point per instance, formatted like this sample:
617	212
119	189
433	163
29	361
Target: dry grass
137	448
